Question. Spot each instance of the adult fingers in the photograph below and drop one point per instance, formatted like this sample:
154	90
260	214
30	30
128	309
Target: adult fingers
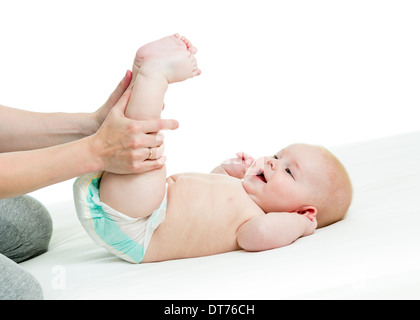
152	126
123	101
143	141
155	153
119	90
150	165
151	153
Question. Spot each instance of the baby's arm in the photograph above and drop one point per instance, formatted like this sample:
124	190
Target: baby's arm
273	230
235	167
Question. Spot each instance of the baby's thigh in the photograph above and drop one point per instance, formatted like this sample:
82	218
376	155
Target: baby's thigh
135	195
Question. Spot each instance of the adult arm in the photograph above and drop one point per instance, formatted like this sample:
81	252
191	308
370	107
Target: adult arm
274	230
121	145
24	130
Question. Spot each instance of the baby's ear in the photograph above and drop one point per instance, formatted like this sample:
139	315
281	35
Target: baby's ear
308	211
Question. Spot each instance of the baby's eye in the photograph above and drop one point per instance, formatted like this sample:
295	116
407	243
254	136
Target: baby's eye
289	172
275	157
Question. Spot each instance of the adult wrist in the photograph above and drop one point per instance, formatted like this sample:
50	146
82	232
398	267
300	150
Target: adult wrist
91	124
74	126
95	151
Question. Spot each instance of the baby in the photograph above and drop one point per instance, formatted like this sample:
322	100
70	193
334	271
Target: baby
243	204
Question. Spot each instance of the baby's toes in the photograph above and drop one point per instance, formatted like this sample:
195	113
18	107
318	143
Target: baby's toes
187	42
192	49
196	72
194	63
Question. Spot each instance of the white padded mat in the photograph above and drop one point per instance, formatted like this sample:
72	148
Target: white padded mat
373	254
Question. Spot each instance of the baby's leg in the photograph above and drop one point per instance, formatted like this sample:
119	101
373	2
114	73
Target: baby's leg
162	62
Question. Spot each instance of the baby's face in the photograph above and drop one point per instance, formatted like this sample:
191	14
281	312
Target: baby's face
288	180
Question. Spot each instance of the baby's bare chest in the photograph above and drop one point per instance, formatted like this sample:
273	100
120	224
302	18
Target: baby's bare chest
203	215
210	195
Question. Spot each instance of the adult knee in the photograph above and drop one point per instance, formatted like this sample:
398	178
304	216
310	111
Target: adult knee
17	283
25	226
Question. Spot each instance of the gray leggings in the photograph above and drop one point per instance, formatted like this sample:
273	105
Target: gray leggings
25	232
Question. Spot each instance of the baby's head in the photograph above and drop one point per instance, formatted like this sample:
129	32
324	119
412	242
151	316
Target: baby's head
301	178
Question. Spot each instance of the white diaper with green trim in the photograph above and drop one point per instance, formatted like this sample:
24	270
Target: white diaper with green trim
123	236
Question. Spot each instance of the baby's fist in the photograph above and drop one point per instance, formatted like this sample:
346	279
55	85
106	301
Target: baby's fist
237	167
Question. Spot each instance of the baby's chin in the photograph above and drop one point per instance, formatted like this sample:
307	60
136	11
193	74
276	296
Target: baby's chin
248	189
246	184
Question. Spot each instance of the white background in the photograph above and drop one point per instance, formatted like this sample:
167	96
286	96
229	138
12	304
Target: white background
274	72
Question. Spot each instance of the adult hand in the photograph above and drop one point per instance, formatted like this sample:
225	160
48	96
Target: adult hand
128	146
101	114
120	145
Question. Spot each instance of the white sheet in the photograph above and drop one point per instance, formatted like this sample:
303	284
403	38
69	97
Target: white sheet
373	254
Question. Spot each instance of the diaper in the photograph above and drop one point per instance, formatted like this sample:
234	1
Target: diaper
123	236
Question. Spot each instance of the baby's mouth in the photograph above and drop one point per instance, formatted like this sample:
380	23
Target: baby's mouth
261	176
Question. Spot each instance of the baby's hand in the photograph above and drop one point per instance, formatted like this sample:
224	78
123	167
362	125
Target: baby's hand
311	225
237	167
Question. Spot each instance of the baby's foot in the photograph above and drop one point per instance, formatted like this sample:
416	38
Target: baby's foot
173	56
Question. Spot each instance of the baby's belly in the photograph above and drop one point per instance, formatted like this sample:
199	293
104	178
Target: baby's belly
203	216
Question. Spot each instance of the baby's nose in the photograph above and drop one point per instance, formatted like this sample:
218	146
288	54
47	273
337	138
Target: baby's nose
272	163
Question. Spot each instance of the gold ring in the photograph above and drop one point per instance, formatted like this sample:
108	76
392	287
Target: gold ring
150	154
